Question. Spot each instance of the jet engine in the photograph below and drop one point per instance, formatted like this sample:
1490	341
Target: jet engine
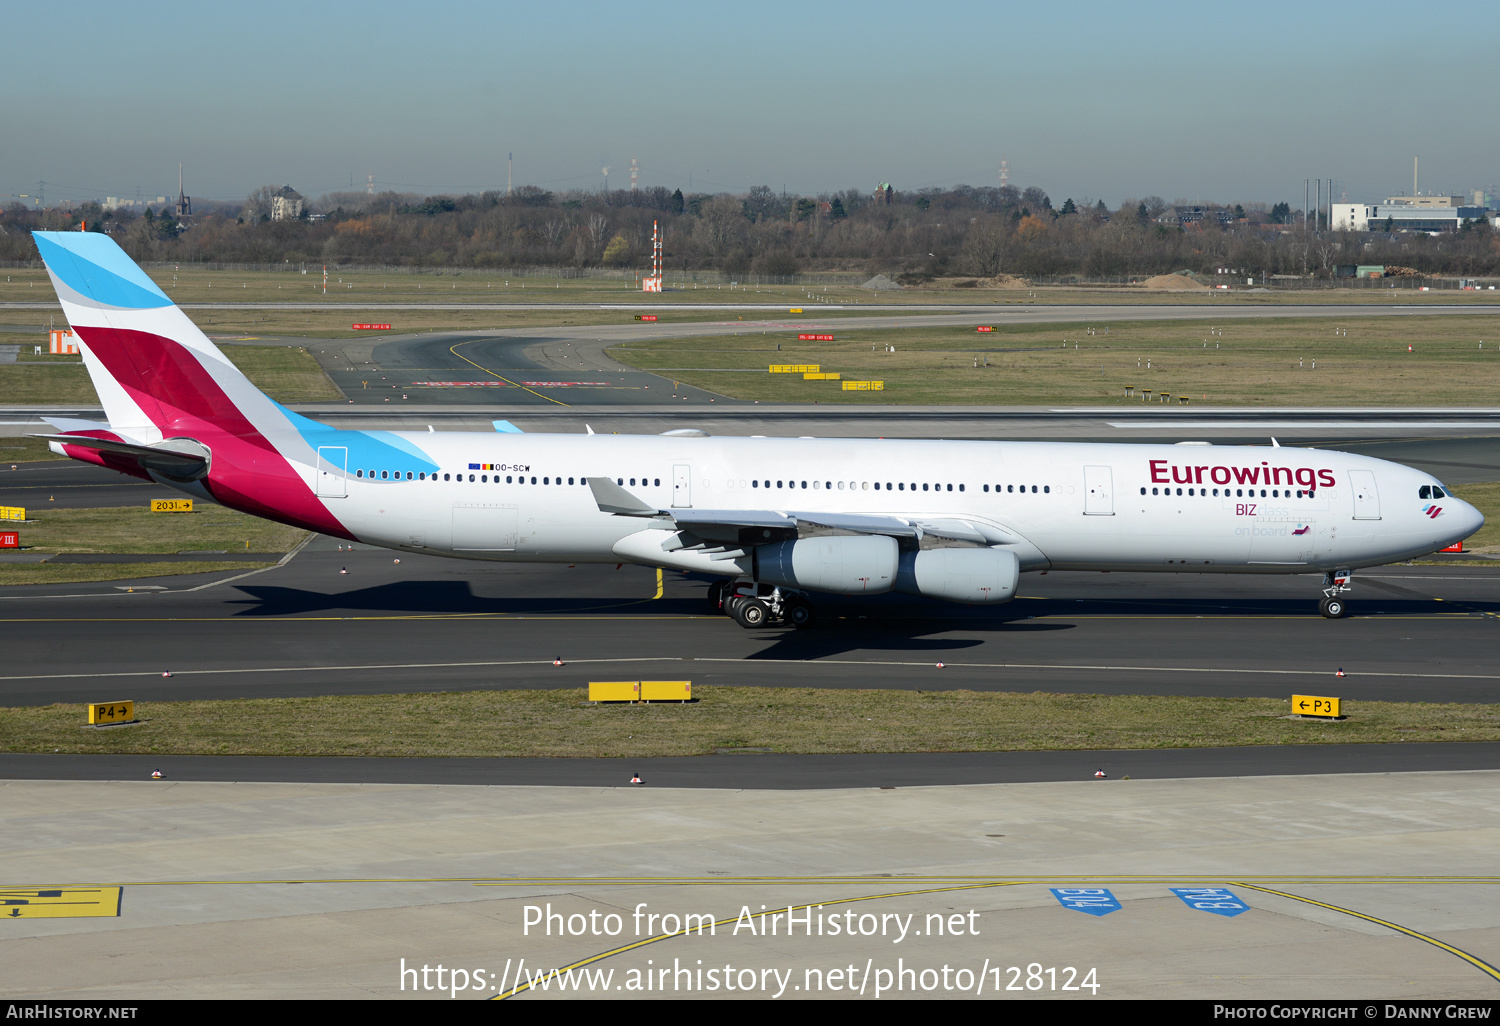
845	565
960	574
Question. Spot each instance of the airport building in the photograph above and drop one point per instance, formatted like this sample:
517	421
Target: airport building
1406	217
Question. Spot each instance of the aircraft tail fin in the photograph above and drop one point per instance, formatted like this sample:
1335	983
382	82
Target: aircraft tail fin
177	407
153	369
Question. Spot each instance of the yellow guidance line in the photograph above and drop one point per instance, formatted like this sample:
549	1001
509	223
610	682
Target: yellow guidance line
454	350
1478	963
552	973
660	585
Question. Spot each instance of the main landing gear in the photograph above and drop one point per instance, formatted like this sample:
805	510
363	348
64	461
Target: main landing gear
1335	584
760	605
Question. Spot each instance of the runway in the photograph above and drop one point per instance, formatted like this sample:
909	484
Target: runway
428	624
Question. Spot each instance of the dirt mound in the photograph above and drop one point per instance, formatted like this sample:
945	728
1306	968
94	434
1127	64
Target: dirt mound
879	283
1172	283
1000	281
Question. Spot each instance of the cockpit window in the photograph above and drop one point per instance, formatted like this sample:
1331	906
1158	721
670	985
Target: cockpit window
1438	493
1425	492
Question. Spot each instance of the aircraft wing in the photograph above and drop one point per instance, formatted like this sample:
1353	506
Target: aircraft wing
611	498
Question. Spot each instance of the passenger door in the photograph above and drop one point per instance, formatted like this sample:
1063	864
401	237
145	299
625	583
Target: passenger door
333	470
1366	498
682	486
1098	492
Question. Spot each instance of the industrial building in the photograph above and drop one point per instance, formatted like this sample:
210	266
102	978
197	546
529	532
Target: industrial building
1448	216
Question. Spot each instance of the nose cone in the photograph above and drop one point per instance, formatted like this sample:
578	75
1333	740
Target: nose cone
1467	520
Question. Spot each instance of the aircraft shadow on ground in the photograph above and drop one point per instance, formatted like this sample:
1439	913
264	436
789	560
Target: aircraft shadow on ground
888	617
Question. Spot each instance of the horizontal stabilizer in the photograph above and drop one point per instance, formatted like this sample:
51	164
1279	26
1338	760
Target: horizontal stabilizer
176	457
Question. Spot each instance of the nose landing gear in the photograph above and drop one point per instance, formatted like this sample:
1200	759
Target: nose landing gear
1334	586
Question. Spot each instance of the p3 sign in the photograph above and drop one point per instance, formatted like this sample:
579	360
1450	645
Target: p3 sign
1095	901
1218	900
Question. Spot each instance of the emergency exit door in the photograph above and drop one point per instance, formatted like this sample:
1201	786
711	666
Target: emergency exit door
682	486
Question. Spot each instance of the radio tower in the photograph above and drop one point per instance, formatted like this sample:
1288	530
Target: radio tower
370	184
653	283
635	174
1004	173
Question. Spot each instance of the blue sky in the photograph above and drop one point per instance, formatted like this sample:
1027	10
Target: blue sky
1226	102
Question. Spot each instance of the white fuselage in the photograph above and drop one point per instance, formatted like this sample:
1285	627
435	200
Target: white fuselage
1061	506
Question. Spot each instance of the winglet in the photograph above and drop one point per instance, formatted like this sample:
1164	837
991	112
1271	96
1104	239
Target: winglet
505	427
611	498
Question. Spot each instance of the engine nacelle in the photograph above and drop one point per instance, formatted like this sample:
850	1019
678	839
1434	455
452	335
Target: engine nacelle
960	575
845	565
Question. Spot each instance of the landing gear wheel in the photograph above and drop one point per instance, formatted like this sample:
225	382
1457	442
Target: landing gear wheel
1333	608
751	613
800	615
716	596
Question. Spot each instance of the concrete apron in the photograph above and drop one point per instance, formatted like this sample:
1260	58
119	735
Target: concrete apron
321	890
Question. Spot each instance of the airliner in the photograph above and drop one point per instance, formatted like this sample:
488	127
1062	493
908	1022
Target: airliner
773	521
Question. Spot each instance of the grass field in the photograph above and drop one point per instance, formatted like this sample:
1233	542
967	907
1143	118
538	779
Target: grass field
17	450
348	290
791	719
285	373
135	529
76	573
1271	362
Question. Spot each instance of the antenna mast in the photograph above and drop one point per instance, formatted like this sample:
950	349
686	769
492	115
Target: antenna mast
653	283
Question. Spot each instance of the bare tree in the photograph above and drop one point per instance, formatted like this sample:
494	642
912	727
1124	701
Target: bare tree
554	229
597	226
721	224
985	245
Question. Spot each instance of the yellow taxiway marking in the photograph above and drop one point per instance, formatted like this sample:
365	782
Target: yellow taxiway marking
454	350
59	902
1477	963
